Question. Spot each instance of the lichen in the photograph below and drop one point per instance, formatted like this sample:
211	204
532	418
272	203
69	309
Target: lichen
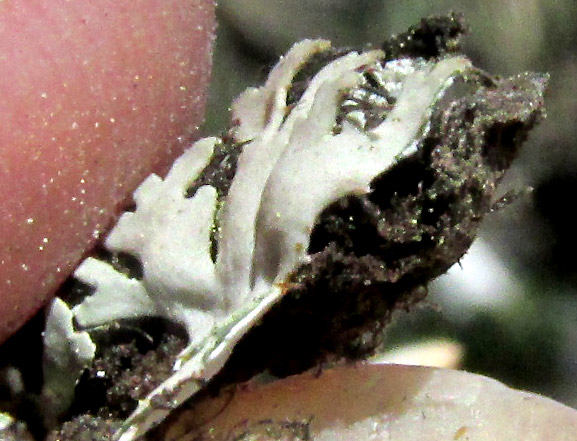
293	165
359	175
67	353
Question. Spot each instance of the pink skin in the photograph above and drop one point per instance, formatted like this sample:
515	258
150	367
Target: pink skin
94	96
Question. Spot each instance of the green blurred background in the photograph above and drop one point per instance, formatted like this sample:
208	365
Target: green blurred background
513	304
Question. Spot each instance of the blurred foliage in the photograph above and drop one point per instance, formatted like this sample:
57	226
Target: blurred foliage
533	343
520	346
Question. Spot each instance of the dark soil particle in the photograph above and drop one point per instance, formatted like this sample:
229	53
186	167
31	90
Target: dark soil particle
86	428
431	37
124	373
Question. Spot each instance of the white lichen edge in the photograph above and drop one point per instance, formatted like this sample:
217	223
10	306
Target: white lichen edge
292	166
66	354
6	420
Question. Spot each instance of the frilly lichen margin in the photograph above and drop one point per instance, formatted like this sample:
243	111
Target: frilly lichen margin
67	353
